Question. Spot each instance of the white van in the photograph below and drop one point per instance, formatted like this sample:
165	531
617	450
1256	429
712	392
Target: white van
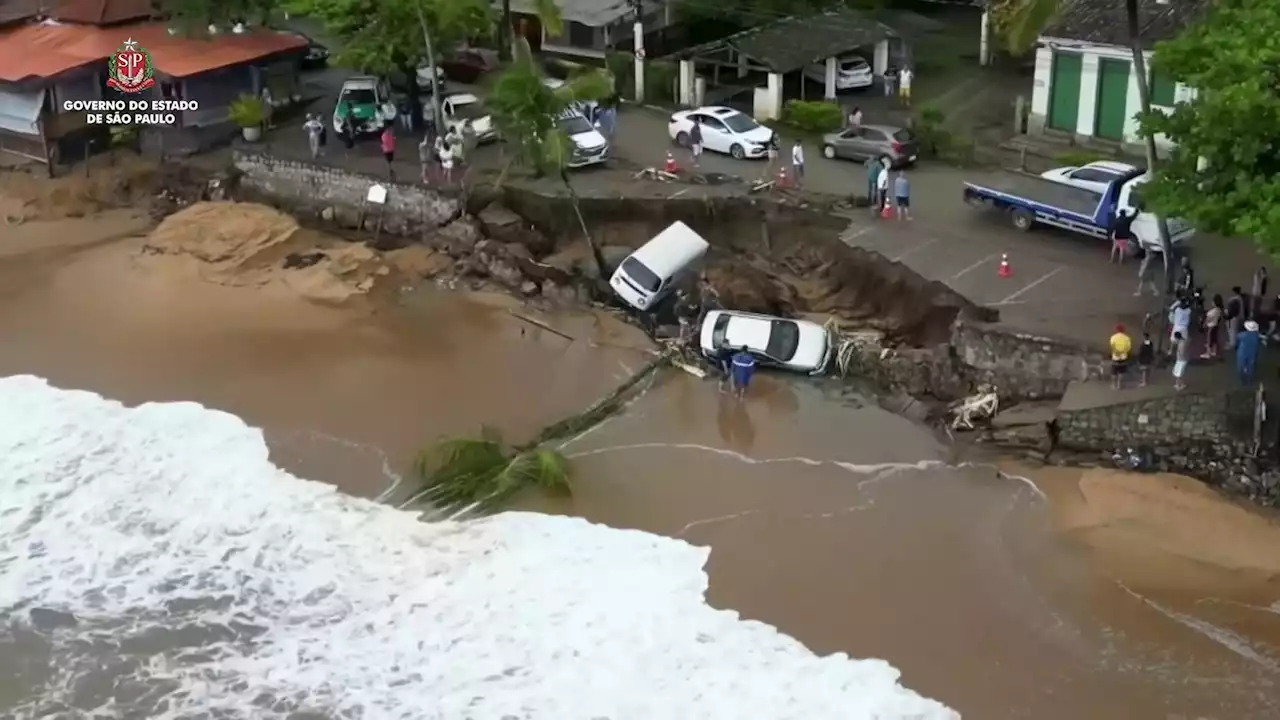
652	271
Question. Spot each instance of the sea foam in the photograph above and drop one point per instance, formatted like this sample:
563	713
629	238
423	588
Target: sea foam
242	591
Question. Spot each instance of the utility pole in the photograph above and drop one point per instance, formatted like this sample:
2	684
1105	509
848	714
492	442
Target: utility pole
638	31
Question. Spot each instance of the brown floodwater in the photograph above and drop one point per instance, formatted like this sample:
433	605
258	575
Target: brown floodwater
1066	594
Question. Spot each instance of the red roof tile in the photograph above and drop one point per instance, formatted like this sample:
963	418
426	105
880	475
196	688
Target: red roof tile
100	12
43	50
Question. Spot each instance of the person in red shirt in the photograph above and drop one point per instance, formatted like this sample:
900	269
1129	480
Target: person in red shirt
389	148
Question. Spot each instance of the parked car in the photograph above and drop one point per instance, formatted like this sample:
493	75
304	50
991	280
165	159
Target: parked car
586	107
366	95
589	146
797	345
852	73
317	55
465	107
468	64
724	130
893	146
424	76
1095	176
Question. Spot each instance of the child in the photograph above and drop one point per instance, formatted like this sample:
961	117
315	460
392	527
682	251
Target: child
1146	356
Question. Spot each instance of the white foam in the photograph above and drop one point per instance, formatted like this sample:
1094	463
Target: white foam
117	514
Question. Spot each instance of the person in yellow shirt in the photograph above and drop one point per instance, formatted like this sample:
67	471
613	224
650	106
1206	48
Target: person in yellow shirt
1121	348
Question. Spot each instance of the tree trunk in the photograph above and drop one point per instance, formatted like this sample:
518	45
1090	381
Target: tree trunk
1144	101
595	249
504	33
437	118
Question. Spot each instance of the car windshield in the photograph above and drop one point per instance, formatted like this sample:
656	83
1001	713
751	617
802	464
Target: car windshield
784	340
575	125
469	110
903	136
641	275
719	331
853	64
739	123
359	96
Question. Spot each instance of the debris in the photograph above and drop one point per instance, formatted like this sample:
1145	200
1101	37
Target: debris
979	407
540	324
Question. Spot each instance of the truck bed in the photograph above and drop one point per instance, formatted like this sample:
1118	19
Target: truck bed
1038	190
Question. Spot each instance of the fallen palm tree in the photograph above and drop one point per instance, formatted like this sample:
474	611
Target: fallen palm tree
481	474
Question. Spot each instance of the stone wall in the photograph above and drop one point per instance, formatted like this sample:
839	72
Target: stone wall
1211	424
340	196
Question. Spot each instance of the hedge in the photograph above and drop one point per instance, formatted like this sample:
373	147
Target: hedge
816	116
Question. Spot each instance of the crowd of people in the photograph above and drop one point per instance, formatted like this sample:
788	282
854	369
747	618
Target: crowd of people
1239	325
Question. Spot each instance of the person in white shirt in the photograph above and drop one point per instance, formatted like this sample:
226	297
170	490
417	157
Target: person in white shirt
904	85
797	162
882	187
314	128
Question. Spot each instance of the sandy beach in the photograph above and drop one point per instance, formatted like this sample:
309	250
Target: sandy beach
1033	593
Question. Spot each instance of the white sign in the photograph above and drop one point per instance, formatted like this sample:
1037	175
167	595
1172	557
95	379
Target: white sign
640	53
377	194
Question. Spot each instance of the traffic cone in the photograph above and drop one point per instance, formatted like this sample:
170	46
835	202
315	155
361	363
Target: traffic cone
886	211
783	180
1004	271
670	165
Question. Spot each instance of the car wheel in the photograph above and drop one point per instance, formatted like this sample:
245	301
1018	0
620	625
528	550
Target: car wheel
682	139
1023	219
737	152
829	152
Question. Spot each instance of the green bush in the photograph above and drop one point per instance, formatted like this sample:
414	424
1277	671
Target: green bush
933	139
817	116
247	111
620	64
660	81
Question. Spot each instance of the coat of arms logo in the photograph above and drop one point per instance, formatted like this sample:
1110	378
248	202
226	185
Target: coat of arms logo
130	68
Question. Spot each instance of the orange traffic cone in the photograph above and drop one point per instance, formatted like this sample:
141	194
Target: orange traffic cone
783	179
670	165
886	211
1004	271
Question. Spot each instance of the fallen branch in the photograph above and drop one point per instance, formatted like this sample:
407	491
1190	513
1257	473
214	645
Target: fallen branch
539	324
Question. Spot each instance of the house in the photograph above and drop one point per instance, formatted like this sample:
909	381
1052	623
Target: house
62	55
591	27
1084	82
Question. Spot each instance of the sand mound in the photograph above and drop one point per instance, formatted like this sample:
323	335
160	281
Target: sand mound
247	244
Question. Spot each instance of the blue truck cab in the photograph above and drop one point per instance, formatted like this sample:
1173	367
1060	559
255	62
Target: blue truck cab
1031	200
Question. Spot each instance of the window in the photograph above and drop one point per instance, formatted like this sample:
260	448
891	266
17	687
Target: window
711	123
642	275
719	331
574	125
872	135
1163	89
903	136
1091	175
740	123
784	339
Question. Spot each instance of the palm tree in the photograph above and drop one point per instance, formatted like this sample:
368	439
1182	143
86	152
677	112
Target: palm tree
525	109
1020	23
482	473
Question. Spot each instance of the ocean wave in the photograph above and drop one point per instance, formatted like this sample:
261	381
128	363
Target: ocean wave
170	570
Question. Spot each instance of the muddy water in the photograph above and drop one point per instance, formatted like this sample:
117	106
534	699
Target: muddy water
828	517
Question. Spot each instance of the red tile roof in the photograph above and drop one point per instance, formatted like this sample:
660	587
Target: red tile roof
43	50
99	12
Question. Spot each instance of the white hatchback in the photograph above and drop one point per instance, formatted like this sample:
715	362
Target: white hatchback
797	345
1095	176
852	73
724	130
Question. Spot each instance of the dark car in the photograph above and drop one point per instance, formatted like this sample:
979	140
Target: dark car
317	55
466	66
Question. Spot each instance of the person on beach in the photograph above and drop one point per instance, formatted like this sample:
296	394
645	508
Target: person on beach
902	195
695	142
797	162
1121	234
1247	344
1236	305
874	168
1121	347
313	128
1179	361
743	366
388	141
1146	358
1213	319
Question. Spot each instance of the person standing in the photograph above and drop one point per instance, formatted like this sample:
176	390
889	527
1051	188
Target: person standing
744	366
446	161
772	151
902	195
904	85
1247	345
388	141
345	133
1235	315
1186	278
425	153
882	189
1258	292
1213	328
1180	320
724	363
1144	274
313	128
1179	361
874	168
797	162
1146	358
1121	235
855	118
268	107
1121	347
695	141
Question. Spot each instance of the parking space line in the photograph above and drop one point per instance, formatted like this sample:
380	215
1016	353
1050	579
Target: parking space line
913	250
851	236
1009	300
975	266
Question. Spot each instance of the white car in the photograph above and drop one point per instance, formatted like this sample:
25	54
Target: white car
589	146
1095	176
586	107
797	345
724	130
852	73
424	77
465	107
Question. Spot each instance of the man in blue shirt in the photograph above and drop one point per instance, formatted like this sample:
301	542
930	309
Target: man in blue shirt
743	367
902	194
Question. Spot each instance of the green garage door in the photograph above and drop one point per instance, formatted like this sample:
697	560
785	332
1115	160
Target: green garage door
1113	99
1064	91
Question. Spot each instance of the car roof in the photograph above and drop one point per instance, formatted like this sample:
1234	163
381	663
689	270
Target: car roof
717	110
891	129
462	98
670	250
1112	166
750	330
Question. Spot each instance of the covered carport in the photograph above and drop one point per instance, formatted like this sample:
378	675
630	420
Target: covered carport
785	46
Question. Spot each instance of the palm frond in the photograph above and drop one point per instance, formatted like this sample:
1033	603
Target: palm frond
545	470
1019	23
588	84
548	11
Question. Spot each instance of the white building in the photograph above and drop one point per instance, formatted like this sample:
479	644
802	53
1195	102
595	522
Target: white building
1084	81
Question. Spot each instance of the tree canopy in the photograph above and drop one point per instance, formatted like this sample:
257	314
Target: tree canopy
384	36
1018	23
196	15
1224	172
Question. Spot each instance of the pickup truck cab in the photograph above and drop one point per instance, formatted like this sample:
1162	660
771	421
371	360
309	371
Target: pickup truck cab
1030	200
